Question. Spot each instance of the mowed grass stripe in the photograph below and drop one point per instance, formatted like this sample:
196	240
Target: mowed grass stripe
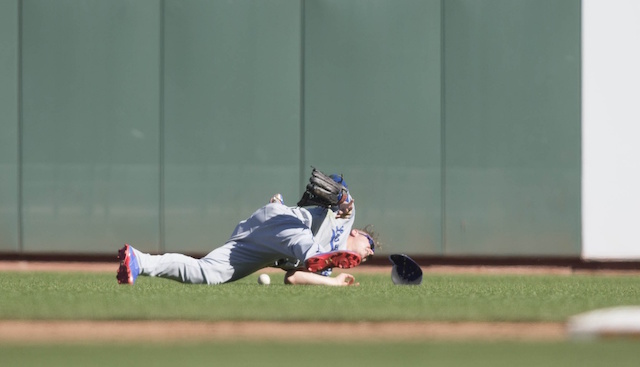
441	297
476	354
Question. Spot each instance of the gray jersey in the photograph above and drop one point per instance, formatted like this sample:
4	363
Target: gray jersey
273	234
291	234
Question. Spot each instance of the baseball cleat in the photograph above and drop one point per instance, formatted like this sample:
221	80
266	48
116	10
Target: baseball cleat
129	268
334	259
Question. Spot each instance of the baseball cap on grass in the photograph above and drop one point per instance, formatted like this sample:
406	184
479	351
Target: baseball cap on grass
405	271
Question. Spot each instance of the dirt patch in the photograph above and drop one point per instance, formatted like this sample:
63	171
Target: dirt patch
176	331
58	266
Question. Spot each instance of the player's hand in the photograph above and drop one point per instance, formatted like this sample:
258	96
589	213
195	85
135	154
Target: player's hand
345	210
277	198
344	279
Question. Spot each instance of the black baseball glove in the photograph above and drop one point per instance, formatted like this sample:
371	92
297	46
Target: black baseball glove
323	190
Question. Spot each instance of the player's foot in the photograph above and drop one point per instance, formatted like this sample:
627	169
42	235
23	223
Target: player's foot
335	259
129	268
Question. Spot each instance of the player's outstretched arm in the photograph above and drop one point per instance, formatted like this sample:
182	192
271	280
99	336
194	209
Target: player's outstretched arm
300	277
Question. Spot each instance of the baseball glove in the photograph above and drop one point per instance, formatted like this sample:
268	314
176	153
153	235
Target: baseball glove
323	190
405	271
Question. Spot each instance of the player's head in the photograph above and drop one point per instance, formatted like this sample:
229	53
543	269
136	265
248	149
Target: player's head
362	242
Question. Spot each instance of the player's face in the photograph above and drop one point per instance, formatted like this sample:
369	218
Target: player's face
361	243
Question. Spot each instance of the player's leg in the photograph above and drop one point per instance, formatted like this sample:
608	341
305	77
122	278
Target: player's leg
179	267
224	264
174	266
234	261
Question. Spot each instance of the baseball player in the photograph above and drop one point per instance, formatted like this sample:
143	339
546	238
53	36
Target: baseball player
306	240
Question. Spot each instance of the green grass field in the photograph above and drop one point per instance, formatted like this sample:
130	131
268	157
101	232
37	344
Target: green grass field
91	296
463	354
71	296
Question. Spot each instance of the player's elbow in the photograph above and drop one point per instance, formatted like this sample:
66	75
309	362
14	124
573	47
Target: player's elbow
291	277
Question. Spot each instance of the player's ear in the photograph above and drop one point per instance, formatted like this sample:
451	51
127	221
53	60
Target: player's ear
354	232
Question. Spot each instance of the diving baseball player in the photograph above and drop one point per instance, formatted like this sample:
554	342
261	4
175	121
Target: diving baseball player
306	240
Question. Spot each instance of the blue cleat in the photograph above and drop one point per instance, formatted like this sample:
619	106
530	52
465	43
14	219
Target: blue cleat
129	268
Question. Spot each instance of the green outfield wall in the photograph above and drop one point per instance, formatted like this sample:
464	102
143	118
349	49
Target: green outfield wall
163	123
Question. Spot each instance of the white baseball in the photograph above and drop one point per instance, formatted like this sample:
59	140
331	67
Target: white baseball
264	279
